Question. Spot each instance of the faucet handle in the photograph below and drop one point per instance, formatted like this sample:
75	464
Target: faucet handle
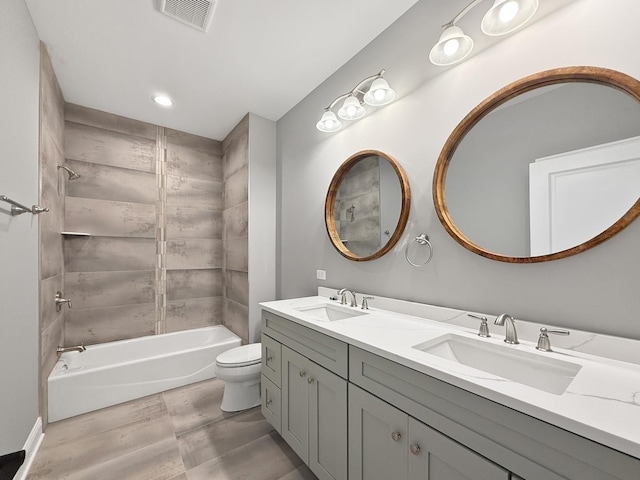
365	303
544	344
483	331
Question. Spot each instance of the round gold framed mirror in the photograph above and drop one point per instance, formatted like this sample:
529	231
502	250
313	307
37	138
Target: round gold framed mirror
545	168
367	205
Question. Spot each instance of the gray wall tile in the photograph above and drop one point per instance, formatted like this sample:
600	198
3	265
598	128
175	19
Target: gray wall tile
104	182
100	254
236	255
96	145
183	190
184	161
177	138
107	324
104	289
108	121
51	260
193	313
194	253
110	218
236	188
236	287
236	318
183	284
236	221
193	222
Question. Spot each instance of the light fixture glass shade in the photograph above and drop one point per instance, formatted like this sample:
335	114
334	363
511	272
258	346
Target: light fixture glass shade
329	122
505	16
453	47
351	109
380	93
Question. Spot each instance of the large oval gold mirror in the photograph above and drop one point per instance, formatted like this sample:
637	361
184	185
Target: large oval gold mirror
545	168
367	205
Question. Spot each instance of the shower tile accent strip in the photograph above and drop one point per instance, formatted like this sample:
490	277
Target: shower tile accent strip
161	226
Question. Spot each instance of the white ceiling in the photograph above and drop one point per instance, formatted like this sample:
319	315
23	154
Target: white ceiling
259	56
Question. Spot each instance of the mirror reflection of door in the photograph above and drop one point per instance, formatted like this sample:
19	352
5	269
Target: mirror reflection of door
577	195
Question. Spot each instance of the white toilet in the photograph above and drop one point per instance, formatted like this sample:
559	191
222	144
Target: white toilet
240	370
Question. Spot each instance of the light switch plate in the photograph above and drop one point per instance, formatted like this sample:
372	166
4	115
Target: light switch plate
321	274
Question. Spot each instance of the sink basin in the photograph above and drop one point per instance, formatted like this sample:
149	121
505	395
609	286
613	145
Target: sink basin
330	313
528	368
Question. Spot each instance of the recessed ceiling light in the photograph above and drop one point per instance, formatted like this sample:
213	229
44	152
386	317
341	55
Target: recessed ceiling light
163	100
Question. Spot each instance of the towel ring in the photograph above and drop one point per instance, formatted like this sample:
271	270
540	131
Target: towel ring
421	239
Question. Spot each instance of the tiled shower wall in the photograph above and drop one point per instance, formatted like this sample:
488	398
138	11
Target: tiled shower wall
236	230
150	200
52	184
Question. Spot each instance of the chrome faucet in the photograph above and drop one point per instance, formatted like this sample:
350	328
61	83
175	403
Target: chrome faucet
343	297
511	336
78	348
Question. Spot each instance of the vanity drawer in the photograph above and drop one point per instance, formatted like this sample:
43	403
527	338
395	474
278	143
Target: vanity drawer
328	352
271	403
271	359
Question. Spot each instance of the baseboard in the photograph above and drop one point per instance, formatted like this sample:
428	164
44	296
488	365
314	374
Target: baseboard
31	447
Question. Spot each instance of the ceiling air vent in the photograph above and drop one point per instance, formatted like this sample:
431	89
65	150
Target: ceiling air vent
195	13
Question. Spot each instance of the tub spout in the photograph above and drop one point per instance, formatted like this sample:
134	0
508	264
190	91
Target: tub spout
77	348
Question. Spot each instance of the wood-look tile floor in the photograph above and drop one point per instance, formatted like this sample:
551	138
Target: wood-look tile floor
180	434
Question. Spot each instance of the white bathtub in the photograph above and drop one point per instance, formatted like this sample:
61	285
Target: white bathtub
116	372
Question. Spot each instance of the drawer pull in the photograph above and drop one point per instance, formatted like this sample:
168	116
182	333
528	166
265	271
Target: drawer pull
415	448
396	436
310	380
302	373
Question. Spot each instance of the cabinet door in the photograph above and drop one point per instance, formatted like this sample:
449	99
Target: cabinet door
327	424
295	402
377	438
434	456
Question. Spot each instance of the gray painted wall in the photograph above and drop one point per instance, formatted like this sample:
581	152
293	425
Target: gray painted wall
19	86
596	290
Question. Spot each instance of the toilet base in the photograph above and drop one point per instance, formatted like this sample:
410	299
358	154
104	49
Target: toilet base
240	396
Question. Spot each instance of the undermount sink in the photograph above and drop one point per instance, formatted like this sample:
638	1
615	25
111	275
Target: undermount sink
528	368
330	313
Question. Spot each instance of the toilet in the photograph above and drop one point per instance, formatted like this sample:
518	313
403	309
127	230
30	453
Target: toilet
239	368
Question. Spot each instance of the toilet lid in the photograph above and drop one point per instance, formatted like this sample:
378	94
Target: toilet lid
241	356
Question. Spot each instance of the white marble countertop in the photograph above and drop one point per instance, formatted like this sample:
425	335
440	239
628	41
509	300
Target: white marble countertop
602	402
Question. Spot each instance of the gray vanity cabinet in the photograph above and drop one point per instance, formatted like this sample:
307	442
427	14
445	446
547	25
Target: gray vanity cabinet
386	443
305	393
314	415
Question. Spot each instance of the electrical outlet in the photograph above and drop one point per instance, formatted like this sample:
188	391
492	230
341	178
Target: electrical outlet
321	274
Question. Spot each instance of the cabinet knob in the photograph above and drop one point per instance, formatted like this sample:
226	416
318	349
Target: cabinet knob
269	359
311	380
302	373
396	436
415	448
269	402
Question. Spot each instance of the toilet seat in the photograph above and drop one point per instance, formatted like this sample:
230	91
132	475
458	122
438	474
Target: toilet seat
243	356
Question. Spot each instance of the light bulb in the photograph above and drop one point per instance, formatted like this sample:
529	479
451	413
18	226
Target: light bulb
379	94
508	11
329	124
163	100
451	47
351	110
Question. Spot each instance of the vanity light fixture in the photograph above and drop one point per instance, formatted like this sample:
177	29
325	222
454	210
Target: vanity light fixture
373	91
163	100
505	16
